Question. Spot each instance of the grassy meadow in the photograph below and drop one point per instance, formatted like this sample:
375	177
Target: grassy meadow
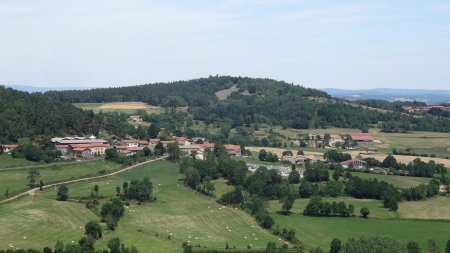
126	107
16	180
179	212
7	161
319	231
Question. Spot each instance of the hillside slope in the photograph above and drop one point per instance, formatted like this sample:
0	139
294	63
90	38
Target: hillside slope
256	100
27	115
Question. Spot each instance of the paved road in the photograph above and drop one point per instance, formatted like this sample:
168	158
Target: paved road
33	191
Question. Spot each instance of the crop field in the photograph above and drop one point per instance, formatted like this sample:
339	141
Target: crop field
7	161
319	231
16	180
178	212
126	107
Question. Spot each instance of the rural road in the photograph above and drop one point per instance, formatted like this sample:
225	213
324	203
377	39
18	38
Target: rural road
33	191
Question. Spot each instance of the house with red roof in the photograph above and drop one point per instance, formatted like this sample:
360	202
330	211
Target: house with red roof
233	150
95	149
354	164
7	148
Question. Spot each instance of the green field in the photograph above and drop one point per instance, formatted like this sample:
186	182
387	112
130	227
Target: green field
125	107
37	222
416	142
436	208
185	215
16	180
398	181
7	161
179	211
319	231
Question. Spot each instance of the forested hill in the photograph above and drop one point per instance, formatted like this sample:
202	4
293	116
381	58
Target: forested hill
197	92
257	101
29	115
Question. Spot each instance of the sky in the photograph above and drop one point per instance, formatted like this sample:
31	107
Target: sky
340	44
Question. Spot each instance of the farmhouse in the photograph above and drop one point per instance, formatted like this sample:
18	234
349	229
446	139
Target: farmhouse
128	150
80	146
135	143
354	164
208	146
96	149
363	137
135	118
298	159
233	150
7	148
191	148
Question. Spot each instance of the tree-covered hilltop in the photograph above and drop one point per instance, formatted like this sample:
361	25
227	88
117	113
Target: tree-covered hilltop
32	115
196	92
257	100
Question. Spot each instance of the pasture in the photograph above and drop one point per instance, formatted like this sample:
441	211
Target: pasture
125	107
179	212
319	231
398	181
35	221
16	180
7	161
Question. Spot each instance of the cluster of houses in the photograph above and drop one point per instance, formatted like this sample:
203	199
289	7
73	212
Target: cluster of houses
314	139
88	147
84	147
281	170
420	109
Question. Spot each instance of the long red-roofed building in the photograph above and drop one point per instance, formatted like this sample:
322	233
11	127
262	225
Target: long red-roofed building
367	137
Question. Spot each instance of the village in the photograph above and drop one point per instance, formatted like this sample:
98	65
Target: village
84	148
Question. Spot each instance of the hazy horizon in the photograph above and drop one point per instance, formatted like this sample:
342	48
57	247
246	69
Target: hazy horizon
317	44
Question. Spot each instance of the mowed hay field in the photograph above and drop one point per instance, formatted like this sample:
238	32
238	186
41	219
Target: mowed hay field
319	231
178	212
436	208
16	180
37	222
126	107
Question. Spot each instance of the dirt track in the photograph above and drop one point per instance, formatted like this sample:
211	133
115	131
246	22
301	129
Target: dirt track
33	191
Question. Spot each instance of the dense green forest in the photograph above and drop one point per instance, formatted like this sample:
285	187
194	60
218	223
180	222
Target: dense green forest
33	115
25	115
260	101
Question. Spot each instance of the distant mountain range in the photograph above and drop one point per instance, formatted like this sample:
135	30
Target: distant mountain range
422	95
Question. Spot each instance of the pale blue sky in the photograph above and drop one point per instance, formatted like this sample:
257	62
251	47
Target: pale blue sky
341	44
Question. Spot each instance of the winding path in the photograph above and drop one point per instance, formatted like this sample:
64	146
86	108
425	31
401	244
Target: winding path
33	191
